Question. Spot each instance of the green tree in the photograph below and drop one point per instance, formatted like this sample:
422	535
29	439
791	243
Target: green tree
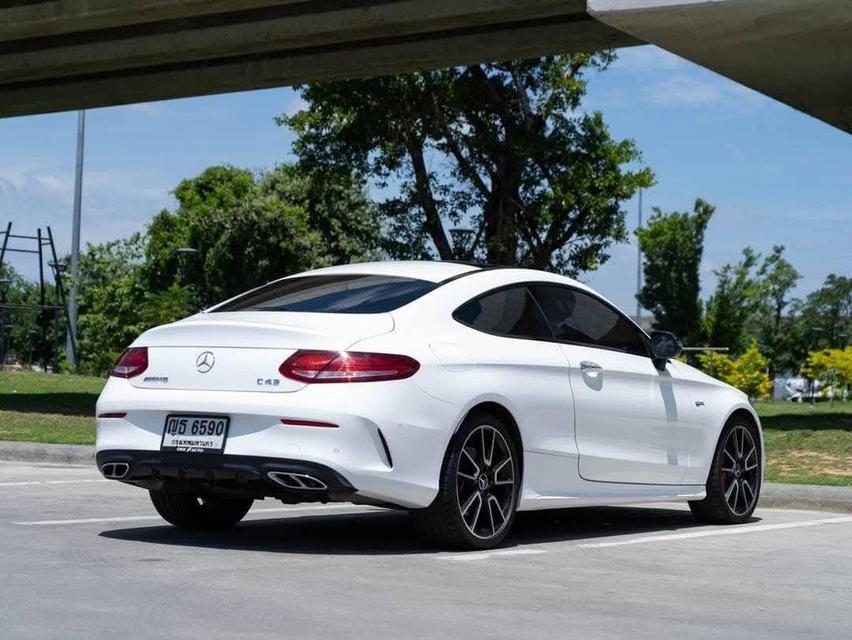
247	230
29	335
777	278
110	301
747	373
827	314
737	298
492	162
831	366
673	245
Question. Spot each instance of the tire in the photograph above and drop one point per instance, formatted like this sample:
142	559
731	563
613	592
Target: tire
733	486
188	511
479	488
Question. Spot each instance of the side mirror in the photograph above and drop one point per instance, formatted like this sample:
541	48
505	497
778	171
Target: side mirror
665	345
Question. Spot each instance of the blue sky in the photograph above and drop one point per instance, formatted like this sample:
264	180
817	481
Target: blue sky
775	175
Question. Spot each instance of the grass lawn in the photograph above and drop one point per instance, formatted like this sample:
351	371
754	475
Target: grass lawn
808	444
44	407
804	444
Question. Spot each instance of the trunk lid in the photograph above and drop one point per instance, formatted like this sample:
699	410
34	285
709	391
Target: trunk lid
241	351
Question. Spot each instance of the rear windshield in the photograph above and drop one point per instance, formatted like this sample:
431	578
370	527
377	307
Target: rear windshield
332	294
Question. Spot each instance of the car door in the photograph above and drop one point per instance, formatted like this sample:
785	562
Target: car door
631	418
518	360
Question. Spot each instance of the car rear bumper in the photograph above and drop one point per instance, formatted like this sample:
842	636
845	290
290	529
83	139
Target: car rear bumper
388	441
254	476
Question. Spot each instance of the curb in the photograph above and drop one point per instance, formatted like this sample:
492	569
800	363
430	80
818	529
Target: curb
38	452
778	496
805	496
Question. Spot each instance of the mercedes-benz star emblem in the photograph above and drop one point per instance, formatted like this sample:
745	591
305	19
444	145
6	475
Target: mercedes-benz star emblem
205	361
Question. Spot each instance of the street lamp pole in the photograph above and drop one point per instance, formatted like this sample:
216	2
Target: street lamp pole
75	241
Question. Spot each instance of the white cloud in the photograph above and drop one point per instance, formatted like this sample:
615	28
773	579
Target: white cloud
648	58
146	108
295	104
699	90
116	203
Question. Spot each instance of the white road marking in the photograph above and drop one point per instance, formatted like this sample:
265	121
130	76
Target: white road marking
722	531
34	482
468	557
295	510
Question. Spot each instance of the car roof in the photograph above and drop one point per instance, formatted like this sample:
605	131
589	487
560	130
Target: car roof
432	271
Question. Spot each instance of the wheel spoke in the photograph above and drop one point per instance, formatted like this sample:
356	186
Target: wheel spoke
466	476
748	500
751	453
499	508
499	468
729	493
476	515
727	470
472	461
733	459
469	502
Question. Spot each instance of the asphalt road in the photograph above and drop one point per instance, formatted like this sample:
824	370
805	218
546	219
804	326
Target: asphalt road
81	557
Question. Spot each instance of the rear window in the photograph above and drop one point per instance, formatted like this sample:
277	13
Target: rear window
332	294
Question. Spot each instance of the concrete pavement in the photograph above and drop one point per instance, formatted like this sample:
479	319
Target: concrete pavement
82	557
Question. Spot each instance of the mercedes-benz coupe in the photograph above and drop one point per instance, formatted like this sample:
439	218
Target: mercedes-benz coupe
462	394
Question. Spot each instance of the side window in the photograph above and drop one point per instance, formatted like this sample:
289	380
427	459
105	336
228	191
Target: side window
578	317
508	312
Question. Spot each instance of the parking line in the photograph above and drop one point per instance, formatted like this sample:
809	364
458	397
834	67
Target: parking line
295	510
35	482
722	531
468	557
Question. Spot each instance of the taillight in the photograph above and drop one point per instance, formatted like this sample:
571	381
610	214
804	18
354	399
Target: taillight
132	362
347	366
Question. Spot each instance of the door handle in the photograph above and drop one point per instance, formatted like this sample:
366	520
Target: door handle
587	366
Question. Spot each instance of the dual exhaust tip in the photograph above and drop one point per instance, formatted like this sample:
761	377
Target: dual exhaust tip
286	479
115	470
298	481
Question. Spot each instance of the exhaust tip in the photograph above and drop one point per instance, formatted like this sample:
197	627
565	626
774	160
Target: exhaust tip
299	481
115	470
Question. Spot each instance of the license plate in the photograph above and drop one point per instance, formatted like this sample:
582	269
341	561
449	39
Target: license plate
195	434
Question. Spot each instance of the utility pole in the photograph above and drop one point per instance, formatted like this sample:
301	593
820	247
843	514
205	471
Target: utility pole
639	264
75	241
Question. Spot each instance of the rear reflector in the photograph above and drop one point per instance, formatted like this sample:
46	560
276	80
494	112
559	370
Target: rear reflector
112	414
347	366
295	422
132	363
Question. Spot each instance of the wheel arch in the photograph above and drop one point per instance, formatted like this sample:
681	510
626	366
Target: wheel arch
490	406
747	412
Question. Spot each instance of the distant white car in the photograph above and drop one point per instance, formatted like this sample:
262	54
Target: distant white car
462	394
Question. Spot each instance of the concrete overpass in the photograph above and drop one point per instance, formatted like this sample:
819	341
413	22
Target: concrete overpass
69	54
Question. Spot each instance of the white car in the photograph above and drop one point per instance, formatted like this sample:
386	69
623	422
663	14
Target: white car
460	393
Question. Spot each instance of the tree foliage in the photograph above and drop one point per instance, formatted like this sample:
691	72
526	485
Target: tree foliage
111	294
827	313
246	230
490	162
775	334
673	244
832	366
735	301
747	373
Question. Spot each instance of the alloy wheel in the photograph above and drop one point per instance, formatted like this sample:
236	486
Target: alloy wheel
485	482
740	470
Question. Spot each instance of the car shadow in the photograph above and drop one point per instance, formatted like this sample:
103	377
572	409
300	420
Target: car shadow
391	532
